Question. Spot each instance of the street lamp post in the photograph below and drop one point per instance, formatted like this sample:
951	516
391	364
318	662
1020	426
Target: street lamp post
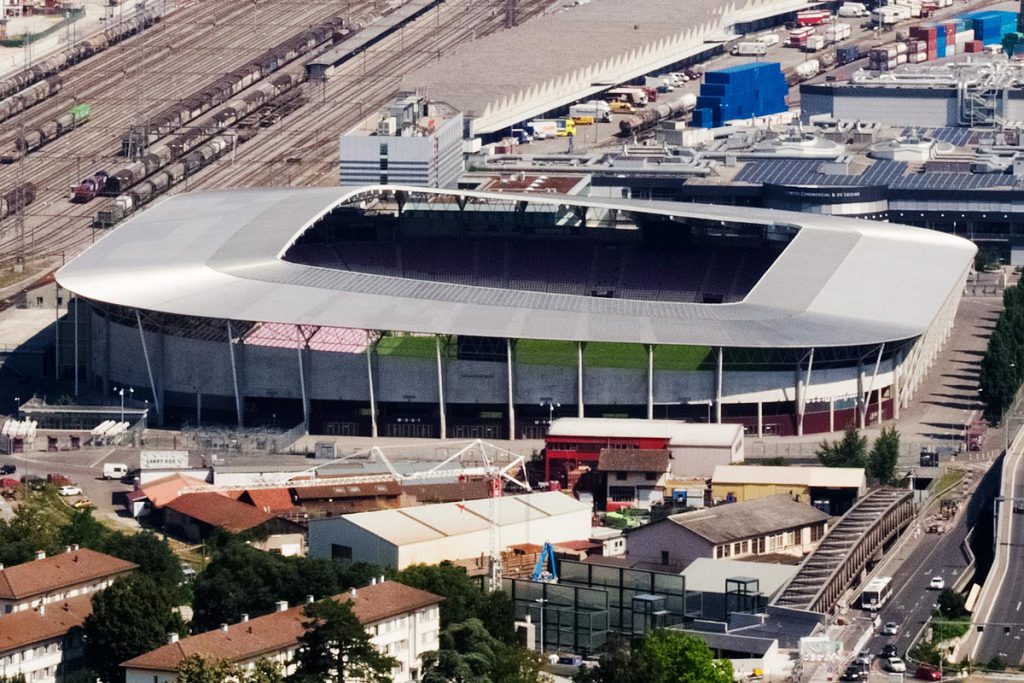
550	405
541	602
120	392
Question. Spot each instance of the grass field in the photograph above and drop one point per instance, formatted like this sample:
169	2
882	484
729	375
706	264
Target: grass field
563	354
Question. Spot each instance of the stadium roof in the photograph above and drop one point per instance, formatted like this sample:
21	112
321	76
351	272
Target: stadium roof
823	477
513	75
678	433
839	282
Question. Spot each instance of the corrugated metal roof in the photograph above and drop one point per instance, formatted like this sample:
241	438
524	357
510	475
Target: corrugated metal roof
849	477
679	433
433	522
839	282
737	521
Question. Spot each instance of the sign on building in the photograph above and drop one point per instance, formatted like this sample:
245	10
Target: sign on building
153	460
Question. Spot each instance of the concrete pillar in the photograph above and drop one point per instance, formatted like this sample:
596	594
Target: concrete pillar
861	403
718	386
234	376
373	399
799	394
650	381
440	387
302	380
511	393
760	419
157	403
106	355
831	415
897	360
579	379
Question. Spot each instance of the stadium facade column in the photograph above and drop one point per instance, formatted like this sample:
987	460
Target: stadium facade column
511	393
831	415
718	385
157	402
894	393
302	379
760	419
579	379
106	355
803	383
373	398
861	412
650	381
440	387
234	375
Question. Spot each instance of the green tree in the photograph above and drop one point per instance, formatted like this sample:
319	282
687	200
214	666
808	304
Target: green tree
885	455
951	604
675	657
132	616
83	529
850	451
199	669
16	678
335	647
618	664
151	553
469	653
462	597
265	671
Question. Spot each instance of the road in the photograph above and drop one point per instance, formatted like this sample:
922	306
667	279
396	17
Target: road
1005	620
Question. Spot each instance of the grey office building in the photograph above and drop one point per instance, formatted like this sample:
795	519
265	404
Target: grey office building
412	142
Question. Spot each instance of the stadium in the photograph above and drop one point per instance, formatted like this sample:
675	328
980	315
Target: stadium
400	311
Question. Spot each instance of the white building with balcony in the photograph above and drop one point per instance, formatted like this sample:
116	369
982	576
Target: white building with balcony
44	643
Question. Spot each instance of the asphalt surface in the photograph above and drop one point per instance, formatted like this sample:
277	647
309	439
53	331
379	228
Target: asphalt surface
1004	633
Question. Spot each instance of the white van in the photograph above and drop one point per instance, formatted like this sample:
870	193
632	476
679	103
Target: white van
113	470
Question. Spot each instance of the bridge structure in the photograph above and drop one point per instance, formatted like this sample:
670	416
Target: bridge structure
843	554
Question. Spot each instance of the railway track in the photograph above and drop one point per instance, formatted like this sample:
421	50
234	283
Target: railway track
159	74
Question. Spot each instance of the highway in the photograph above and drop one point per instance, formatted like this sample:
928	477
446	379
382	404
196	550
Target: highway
1004	619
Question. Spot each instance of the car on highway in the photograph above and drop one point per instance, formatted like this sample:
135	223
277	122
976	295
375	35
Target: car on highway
863	660
895	665
852	673
889	650
937	583
927	673
890	628
8	468
69	490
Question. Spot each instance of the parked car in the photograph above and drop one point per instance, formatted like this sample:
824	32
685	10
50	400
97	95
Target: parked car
889	650
895	665
927	673
33	481
57	479
852	673
82	503
891	628
69	490
8	468
937	583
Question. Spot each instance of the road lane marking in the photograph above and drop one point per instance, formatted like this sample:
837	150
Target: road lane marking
1018	605
103	457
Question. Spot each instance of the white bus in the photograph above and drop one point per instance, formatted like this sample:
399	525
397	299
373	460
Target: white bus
876	593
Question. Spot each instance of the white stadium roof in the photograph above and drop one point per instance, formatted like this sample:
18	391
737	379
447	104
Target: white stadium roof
839	282
678	432
786	475
513	75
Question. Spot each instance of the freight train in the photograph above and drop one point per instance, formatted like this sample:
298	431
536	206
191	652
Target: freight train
30	96
34	138
84	49
230	85
165	153
650	116
14	200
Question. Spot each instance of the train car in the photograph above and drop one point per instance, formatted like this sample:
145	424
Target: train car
16	199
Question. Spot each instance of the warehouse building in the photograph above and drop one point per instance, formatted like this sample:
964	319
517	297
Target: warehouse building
830	489
412	142
694	449
774	525
431	534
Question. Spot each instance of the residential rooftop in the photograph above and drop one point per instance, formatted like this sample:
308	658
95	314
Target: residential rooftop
19	630
71	568
220	511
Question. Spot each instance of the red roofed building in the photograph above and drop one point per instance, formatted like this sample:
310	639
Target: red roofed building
273	501
195	516
402	621
44	644
78	571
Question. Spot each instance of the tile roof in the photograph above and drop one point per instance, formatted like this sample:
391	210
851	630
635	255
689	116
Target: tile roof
58	571
736	521
343	490
268	500
219	511
280	630
633	460
448	492
163	491
21	629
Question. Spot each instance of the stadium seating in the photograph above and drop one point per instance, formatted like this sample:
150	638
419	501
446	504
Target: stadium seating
626	270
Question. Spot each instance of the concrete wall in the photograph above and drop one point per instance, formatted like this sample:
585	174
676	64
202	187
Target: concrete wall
366	547
887	106
646	543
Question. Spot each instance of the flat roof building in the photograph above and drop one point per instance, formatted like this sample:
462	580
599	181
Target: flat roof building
831	489
449	531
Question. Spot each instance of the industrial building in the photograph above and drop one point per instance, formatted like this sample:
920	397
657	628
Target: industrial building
411	142
735	586
774	525
520	73
431	534
830	489
401	311
691	449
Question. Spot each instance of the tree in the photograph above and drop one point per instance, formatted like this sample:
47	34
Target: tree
850	451
461	597
619	664
884	456
675	657
335	647
199	669
151	553
951	604
469	653
16	678
132	616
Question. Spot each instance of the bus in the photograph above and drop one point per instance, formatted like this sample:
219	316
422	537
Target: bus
876	593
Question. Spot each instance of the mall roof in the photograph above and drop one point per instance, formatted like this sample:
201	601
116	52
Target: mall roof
839	282
512	75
